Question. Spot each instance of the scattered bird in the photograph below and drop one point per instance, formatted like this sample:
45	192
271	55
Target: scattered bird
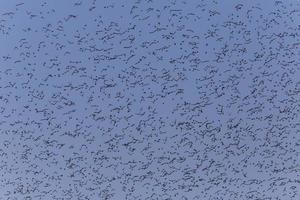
149	100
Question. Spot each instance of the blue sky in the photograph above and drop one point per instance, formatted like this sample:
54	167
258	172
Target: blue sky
149	100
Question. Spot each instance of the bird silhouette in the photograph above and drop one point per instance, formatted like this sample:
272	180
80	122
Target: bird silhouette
149	100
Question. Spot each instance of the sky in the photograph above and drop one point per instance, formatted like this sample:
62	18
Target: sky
149	100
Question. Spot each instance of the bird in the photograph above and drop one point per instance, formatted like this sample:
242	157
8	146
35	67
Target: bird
149	100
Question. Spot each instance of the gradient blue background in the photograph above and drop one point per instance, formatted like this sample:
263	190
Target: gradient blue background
149	100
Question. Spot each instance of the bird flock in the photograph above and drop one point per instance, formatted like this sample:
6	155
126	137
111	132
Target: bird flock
149	100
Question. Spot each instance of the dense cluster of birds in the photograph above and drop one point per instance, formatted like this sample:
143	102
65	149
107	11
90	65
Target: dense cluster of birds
149	99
